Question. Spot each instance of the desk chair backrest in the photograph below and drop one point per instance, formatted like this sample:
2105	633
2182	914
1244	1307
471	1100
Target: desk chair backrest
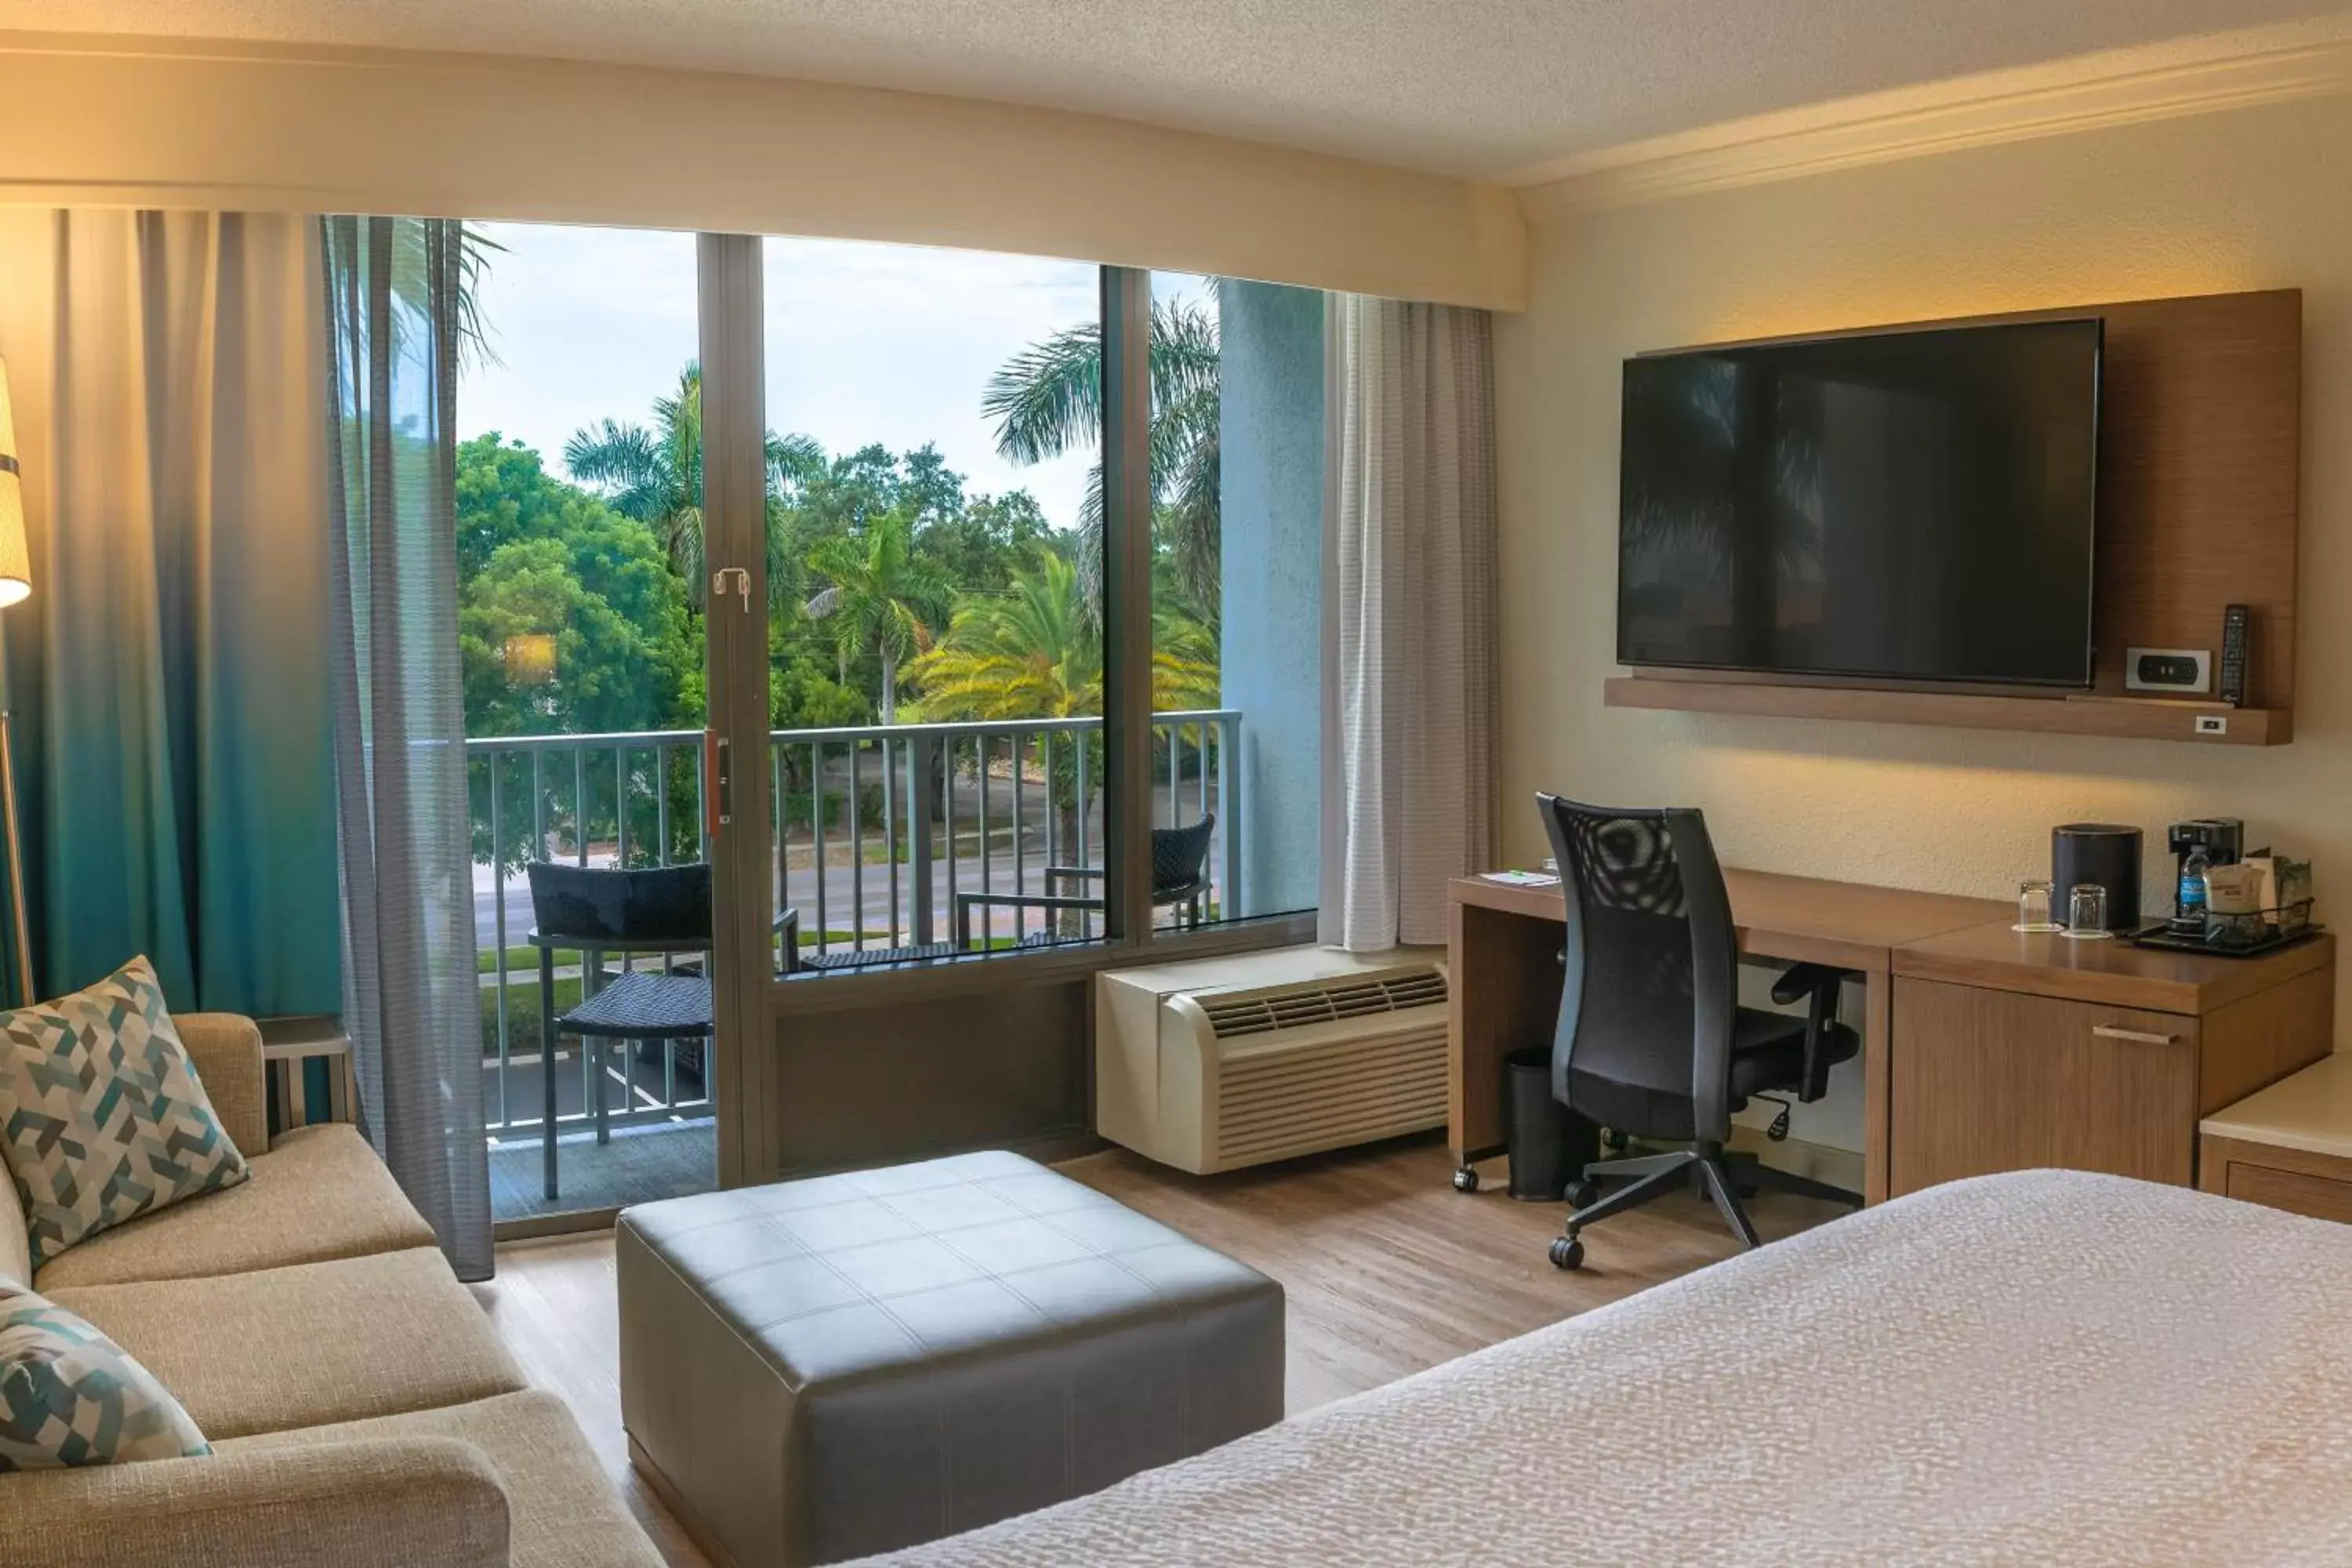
668	906
1180	860
1649	998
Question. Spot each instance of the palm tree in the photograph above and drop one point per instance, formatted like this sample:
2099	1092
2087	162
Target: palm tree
654	475
469	264
459	253
1030	653
1048	400
883	600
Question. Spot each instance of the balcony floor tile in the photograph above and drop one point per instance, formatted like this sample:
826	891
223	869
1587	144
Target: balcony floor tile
640	1164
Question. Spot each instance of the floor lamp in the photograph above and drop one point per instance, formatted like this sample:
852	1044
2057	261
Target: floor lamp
15	587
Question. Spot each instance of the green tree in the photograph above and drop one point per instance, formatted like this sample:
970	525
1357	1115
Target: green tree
540	558
469	267
1048	400
569	620
654	475
848	493
980	547
881	598
927	489
1033	653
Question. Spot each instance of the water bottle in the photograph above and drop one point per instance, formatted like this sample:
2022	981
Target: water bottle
2189	903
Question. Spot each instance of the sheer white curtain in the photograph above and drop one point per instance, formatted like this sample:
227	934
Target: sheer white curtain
410	1004
1409	616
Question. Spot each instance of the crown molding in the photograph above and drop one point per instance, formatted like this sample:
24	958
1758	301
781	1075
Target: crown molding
2203	76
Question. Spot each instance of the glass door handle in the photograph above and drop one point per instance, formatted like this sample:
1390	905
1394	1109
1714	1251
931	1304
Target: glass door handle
719	772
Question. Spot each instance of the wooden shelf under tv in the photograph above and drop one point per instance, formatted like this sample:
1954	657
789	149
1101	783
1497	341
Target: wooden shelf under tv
2201	436
2122	718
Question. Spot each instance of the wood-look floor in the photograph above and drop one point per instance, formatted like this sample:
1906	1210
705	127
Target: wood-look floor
1387	1271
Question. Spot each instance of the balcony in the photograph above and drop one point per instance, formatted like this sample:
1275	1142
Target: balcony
890	841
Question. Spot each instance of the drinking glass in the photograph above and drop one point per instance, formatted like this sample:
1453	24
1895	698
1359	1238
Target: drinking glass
2087	911
2034	907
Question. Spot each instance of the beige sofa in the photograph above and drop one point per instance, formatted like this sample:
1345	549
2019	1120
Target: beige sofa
360	1407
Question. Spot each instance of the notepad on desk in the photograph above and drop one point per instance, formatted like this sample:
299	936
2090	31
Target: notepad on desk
1523	878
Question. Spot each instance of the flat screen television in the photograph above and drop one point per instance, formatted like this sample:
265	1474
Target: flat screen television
1898	506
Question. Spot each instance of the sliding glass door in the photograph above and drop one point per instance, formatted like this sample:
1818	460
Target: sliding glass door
934	602
581	636
959	611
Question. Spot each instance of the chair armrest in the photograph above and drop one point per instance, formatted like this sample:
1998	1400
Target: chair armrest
966	902
225	1048
1820	983
381	1502
1801	981
1057	876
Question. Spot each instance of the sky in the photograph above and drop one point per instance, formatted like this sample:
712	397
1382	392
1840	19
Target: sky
864	343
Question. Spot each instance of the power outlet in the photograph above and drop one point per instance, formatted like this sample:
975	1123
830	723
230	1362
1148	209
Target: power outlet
2213	723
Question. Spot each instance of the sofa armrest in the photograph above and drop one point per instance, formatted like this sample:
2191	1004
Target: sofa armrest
226	1050
382	1502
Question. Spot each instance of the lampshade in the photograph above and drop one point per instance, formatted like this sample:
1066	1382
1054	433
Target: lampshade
15	561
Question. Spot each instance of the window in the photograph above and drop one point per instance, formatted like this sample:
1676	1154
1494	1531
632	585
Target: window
933	532
934	626
1236	584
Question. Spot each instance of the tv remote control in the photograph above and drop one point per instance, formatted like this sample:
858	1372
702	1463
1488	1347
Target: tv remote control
2234	632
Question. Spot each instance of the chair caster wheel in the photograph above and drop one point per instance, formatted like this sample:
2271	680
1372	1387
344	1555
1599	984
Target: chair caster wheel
1465	1179
1567	1252
1583	1195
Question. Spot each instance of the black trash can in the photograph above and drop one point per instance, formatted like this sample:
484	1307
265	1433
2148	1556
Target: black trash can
1549	1144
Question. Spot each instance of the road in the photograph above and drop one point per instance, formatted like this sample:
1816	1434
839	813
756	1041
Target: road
801	892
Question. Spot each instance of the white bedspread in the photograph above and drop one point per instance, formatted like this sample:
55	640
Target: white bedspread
2047	1367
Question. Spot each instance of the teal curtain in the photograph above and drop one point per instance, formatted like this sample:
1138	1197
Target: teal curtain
170	675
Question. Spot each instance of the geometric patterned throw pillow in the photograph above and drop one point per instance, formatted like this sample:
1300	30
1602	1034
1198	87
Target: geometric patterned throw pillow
103	1118
69	1395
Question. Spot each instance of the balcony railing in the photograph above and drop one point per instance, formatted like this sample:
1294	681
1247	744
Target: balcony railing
877	832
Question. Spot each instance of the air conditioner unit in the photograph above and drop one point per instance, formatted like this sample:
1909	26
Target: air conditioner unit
1224	1062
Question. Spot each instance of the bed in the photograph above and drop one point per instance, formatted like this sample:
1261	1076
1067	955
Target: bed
2043	1367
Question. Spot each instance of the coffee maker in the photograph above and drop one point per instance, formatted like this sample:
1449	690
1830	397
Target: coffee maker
2208	841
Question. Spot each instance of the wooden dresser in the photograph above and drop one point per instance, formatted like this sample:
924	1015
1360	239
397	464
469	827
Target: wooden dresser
2015	1051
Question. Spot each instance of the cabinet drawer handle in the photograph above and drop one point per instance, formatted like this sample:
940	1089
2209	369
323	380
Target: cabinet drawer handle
2136	1036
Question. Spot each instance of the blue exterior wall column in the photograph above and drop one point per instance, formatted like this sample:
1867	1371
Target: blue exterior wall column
1270	434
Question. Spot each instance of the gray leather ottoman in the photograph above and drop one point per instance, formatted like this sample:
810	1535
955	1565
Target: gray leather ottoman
822	1369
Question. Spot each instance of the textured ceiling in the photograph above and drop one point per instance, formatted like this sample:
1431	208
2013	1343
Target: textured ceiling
1480	88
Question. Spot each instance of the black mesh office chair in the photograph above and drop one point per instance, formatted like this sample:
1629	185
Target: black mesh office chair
1652	1041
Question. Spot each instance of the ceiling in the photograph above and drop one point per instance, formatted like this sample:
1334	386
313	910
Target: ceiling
1485	89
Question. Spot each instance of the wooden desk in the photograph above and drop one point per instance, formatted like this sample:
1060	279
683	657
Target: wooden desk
1983	1049
2014	1050
1505	991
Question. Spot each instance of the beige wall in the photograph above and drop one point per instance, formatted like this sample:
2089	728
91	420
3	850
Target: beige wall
140	122
2252	199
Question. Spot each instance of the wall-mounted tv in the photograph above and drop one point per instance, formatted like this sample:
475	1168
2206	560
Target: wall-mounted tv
1893	506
